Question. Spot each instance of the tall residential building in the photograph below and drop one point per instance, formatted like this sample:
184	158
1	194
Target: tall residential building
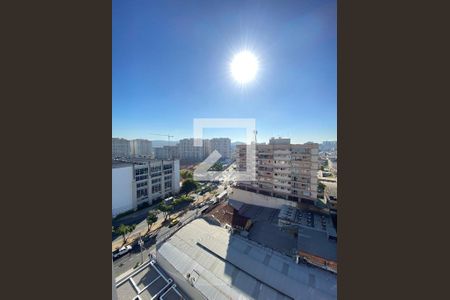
120	147
189	152
283	170
139	181
222	145
140	147
167	152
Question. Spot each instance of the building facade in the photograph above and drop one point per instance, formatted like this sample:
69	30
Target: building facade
283	170
189	152
167	152
222	145
140	148
120	147
143	181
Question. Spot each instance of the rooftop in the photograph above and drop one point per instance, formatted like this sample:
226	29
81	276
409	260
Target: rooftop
147	282
316	243
120	164
224	266
226	214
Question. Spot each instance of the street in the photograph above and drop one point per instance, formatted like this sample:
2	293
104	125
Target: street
129	260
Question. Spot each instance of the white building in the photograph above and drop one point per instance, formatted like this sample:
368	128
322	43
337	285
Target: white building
143	181
222	145
191	153
140	148
167	152
120	147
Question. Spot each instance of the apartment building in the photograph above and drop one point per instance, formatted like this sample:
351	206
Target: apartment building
189	152
167	152
139	181
222	145
140	148
283	170
120	147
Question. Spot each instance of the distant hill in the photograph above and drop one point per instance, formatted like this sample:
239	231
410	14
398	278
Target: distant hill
162	143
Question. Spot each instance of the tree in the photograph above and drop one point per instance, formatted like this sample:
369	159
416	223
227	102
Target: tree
151	218
186	174
165	209
188	186
123	230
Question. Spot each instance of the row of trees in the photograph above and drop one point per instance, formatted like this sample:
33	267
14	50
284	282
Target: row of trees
152	217
189	184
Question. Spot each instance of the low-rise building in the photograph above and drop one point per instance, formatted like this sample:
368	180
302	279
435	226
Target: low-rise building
316	236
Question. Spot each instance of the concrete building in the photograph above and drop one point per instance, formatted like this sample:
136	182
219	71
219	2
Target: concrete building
189	152
140	148
120	147
317	237
147	282
167	152
221	265
222	145
140	181
283	170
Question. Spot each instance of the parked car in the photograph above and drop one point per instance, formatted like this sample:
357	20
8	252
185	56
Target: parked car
122	251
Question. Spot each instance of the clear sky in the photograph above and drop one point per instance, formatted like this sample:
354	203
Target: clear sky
171	65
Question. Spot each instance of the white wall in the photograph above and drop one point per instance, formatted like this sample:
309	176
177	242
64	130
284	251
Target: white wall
122	189
259	199
176	176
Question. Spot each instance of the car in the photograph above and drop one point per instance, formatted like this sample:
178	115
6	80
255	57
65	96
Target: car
174	222
122	251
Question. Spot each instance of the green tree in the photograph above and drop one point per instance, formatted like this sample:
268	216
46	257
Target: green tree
151	218
188	186
165	209
186	174
125	230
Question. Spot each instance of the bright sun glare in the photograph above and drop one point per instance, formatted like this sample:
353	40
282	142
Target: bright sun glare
244	67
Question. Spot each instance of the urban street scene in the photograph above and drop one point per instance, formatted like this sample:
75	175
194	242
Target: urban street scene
224	150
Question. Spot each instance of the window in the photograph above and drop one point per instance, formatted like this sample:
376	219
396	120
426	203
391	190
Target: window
142	193
167	167
142	177
141	171
166	178
155	169
156	188
156	180
142	184
167	185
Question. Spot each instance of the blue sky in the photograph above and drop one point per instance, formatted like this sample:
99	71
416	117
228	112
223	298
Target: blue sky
171	65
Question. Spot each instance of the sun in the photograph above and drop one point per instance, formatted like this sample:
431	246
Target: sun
244	67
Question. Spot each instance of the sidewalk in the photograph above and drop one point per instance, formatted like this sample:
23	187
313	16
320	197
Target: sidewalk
135	234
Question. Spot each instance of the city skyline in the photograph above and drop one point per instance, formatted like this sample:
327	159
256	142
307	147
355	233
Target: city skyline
172	67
